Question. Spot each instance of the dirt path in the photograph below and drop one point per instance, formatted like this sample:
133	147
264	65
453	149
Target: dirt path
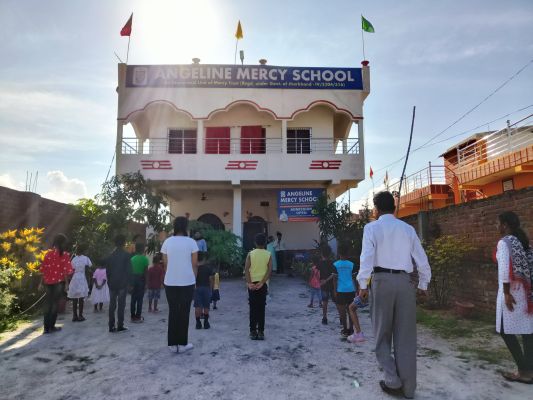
301	359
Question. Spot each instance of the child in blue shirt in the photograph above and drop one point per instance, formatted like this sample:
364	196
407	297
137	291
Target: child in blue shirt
344	288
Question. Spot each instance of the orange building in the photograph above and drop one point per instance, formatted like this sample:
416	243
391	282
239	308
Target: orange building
483	165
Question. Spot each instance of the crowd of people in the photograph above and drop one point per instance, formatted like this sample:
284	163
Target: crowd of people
390	251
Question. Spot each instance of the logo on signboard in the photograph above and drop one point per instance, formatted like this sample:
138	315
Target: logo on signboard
140	76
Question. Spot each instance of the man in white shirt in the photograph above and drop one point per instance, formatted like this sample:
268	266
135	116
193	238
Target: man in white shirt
389	248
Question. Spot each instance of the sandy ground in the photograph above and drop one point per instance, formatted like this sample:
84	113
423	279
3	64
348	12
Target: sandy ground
300	359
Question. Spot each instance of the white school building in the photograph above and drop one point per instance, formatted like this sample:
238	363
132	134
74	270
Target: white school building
245	148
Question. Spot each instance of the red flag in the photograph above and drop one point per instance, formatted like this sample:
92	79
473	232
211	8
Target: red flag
371	173
126	29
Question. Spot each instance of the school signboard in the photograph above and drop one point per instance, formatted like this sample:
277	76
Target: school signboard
298	205
243	77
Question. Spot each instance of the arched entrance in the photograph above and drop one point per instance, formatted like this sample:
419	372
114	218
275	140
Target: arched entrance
213	220
251	228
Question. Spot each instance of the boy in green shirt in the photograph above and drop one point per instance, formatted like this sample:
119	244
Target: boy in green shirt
257	270
139	265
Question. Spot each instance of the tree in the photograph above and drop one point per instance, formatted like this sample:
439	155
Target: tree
123	199
336	221
446	256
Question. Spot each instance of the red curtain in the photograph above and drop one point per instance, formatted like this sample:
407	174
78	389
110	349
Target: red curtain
217	140
252	140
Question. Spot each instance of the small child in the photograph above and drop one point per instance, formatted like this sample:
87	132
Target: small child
257	270
314	283
344	288
203	292
78	288
216	289
155	275
100	292
357	336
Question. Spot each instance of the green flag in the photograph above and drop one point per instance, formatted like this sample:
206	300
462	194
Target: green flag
366	25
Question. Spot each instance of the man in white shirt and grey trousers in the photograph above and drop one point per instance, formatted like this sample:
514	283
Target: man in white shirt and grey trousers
389	248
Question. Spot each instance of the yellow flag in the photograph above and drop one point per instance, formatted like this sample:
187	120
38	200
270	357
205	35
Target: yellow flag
238	34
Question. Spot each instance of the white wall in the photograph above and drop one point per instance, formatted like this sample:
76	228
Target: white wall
319	119
297	235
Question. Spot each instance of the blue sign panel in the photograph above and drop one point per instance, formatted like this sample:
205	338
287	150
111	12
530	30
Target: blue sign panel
243	77
298	204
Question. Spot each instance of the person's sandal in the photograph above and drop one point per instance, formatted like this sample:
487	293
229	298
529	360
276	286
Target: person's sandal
516	377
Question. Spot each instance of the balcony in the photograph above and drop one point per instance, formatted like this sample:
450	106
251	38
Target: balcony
499	155
244	159
163	146
432	187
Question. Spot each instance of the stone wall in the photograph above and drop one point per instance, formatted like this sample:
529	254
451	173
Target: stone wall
476	221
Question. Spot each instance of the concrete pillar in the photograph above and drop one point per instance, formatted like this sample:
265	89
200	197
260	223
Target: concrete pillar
361	137
237	211
284	136
200	137
118	146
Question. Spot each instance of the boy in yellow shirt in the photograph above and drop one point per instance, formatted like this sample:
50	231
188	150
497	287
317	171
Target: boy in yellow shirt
257	270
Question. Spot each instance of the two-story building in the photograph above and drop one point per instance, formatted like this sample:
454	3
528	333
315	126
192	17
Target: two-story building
244	147
482	165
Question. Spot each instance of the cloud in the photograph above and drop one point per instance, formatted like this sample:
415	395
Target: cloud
7	181
64	189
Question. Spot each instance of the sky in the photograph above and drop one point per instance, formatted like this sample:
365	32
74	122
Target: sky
58	74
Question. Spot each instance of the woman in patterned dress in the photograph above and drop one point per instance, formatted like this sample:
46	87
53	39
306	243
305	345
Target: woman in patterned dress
514	304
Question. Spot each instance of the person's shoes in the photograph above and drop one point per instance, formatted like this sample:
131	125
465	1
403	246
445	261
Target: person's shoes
133	319
122	329
398	392
173	349
356	338
112	329
55	329
81	318
324	321
185	348
260	335
214	307
310	305
156	310
253	335
75	318
345	332
207	325
198	323
46	331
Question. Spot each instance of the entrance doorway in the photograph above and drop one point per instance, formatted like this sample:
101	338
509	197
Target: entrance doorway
213	220
251	228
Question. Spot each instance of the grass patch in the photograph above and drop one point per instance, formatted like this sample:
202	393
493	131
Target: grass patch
474	339
444	325
11	323
495	356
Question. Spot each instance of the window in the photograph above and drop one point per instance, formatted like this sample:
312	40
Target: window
299	141
217	140
253	140
182	141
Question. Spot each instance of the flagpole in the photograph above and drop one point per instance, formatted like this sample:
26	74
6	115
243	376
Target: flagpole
235	58
128	51
363	37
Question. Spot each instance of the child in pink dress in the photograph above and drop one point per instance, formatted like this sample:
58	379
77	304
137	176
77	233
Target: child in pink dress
100	293
314	283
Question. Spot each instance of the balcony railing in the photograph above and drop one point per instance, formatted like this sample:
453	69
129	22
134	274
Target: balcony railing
159	146
432	180
495	145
